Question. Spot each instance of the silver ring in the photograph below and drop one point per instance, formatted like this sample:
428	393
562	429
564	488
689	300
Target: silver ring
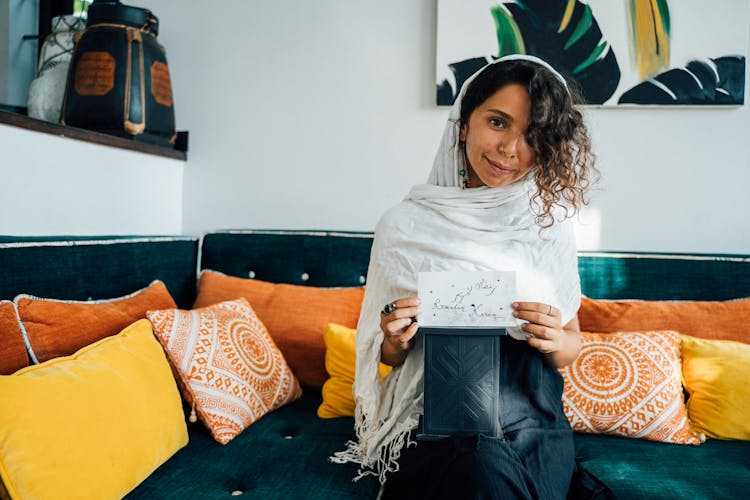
389	308
549	313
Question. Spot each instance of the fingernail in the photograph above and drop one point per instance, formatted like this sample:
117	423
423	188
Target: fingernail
514	304
515	314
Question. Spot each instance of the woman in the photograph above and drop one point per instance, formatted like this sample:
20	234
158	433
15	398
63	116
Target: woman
514	163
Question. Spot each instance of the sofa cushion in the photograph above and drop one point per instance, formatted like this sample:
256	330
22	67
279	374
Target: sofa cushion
341	353
715	374
283	455
721	320
61	327
12	347
628	384
230	370
90	425
640	469
294	315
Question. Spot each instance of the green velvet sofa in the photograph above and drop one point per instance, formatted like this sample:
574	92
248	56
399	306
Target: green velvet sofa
285	454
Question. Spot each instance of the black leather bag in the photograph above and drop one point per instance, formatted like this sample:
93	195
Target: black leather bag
118	80
461	382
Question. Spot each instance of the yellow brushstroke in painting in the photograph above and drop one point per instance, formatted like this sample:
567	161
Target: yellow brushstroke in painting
649	36
567	15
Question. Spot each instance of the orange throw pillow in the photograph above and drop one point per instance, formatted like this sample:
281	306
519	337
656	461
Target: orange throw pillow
60	327
13	355
628	384
295	316
721	320
229	369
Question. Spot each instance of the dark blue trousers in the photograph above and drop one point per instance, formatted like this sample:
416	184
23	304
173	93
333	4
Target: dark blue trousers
535	458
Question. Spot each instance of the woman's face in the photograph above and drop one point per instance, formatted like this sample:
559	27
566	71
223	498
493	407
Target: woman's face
496	147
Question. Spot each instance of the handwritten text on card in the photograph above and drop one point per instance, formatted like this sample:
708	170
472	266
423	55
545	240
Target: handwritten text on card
467	299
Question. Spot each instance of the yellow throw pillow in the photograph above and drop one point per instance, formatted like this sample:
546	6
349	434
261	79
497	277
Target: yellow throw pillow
715	373
90	425
338	400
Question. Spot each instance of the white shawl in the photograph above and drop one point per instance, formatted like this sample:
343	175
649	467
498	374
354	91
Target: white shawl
439	227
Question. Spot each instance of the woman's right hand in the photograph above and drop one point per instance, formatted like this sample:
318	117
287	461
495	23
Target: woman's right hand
399	328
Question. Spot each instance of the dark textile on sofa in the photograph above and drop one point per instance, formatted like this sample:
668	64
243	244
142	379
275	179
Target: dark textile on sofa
534	459
86	268
283	455
634	468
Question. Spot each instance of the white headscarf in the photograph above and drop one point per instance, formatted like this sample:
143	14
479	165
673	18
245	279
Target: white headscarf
442	227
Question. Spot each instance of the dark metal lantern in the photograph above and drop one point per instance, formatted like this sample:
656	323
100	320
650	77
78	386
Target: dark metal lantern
118	80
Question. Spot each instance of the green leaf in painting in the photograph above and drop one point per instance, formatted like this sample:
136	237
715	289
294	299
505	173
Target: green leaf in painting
584	24
663	7
509	39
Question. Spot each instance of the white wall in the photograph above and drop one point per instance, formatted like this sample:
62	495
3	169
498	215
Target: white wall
54	185
4	32
319	115
301	114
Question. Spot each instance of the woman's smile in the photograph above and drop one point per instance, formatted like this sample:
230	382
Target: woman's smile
498	168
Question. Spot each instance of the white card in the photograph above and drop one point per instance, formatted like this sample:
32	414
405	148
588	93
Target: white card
467	299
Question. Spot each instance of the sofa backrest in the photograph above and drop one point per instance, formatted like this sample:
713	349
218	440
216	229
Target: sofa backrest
320	258
314	258
661	276
104	267
82	268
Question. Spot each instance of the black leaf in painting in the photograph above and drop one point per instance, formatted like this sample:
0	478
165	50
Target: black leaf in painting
578	51
461	70
719	81
567	38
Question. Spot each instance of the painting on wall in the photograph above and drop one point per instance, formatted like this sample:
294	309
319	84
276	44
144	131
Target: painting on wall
618	52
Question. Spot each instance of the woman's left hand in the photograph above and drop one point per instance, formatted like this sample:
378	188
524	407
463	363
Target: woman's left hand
544	329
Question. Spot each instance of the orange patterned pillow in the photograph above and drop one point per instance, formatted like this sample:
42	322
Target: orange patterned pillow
228	366
628	384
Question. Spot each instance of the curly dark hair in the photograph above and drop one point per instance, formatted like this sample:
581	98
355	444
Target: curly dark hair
564	161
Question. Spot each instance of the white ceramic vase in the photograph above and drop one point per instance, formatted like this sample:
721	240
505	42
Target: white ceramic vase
47	90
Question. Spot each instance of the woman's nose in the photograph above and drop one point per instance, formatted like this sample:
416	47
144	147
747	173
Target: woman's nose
510	147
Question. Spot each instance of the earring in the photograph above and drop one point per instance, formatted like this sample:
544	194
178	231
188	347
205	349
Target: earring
465	176
464	172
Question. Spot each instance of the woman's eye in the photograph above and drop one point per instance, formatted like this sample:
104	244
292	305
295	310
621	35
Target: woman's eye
497	122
